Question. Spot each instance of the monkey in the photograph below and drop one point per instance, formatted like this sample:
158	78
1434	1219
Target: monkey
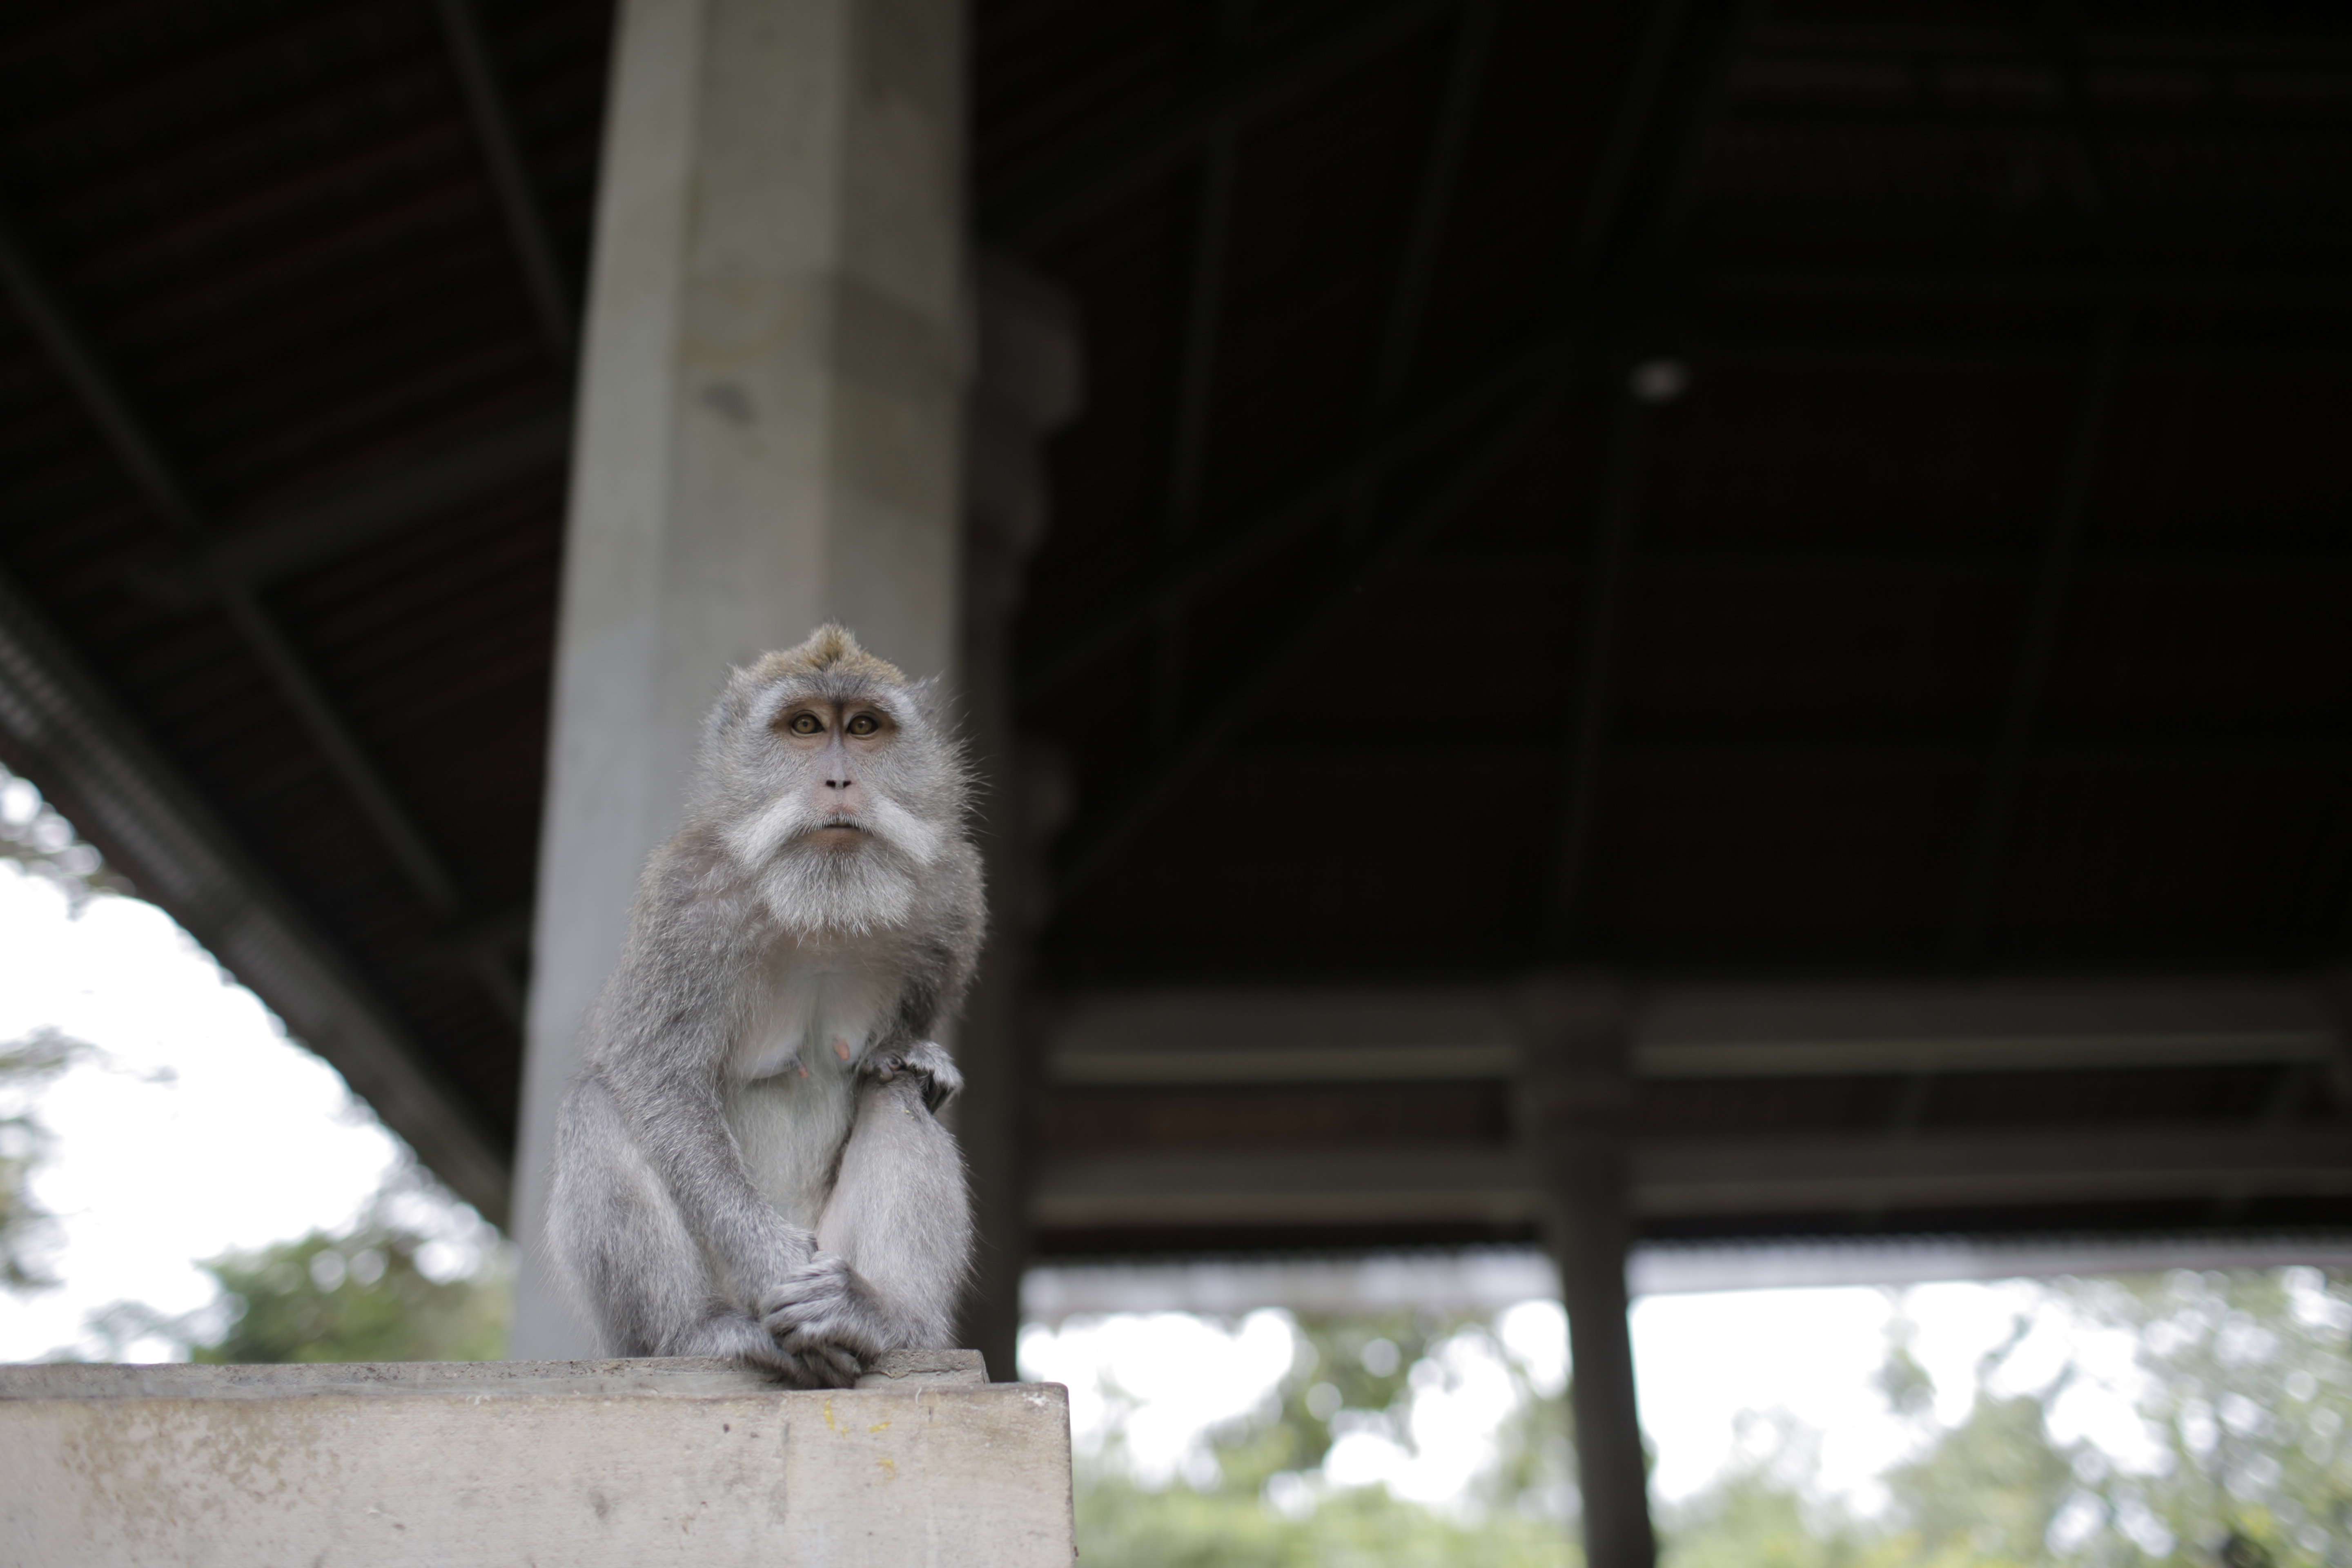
750	1164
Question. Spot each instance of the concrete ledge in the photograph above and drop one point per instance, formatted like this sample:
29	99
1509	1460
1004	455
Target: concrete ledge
618	1462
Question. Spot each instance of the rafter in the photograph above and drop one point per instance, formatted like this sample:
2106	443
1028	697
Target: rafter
1433	206
142	456
2029	681
1196	373
485	103
1035	209
1596	681
70	354
1486	396
1424	232
1209	739
1705	42
1629	133
261	546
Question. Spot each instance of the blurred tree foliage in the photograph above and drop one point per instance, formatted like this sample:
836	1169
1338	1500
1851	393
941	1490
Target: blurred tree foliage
362	1295
1349	1374
2252	1379
1120	1525
356	1297
2247	1380
2245	1390
23	1222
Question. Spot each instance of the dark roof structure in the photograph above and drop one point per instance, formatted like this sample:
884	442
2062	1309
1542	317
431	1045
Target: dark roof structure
1776	494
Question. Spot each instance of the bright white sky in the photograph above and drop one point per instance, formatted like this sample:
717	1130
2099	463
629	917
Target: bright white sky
193	1127
196	1126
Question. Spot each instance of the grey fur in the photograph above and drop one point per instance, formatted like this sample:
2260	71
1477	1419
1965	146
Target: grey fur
749	1164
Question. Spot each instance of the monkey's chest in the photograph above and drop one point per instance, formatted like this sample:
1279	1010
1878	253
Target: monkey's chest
790	1092
791	1130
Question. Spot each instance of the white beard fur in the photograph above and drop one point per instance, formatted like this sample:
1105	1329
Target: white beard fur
820	888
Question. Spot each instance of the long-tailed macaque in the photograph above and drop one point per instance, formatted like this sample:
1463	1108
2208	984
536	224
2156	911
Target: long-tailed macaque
749	1164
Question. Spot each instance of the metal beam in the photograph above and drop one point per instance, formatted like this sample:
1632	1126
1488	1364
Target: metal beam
1035	209
1530	368
1387	1034
2223	752
551	298
71	352
2018	44
1608	567
1196	378
1424	234
1996	1028
1999	284
1209	1065
1485	1280
1525	374
1690	1179
1433	206
142	457
1630	133
341	749
1209	740
2060	546
2026	1169
1619	512
58	726
265	544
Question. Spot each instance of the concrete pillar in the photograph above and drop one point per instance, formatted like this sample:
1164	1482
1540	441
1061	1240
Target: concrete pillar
768	436
1027	385
1577	1102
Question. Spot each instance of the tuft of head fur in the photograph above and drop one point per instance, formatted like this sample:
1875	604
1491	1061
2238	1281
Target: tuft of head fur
831	649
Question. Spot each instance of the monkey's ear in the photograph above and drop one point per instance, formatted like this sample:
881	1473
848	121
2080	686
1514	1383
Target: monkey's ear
929	697
733	707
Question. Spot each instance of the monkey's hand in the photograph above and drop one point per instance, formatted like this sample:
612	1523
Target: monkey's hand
824	1307
925	1059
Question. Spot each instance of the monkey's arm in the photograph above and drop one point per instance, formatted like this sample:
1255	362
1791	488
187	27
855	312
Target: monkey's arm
894	1239
898	1222
660	1041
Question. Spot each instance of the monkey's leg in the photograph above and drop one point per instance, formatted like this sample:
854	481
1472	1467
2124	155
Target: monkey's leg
894	1241
617	1234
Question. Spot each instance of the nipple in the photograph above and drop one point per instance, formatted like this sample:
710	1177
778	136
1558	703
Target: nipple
841	1049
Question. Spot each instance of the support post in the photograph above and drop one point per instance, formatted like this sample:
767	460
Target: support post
767	437
1578	1099
1027	385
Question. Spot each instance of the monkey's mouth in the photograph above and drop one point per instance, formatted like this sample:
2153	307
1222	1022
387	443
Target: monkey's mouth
838	830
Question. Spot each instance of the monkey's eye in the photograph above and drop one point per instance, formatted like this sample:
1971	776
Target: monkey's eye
864	724
806	724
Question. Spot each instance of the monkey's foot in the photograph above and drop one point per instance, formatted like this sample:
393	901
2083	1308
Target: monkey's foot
822	1308
925	1059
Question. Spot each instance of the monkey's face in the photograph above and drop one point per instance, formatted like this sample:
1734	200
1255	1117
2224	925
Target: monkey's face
840	795
836	747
